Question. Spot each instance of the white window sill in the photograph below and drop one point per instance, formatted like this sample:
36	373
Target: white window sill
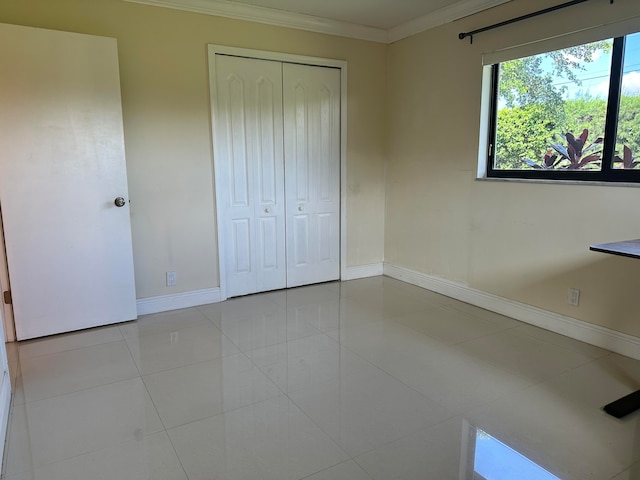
559	182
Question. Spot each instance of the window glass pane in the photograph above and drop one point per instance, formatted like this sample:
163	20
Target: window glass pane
551	109
628	138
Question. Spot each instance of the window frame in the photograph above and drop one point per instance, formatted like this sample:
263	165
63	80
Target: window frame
607	174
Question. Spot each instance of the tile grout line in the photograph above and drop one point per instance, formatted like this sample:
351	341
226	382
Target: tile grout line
75	349
166	432
306	477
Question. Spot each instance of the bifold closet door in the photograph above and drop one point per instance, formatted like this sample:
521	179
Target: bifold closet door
312	165
248	150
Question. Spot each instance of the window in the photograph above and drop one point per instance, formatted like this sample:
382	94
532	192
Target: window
568	114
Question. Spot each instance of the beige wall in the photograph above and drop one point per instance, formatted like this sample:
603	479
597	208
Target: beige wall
164	76
523	241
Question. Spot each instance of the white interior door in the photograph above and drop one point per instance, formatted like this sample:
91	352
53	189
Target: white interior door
249	173
312	165
62	165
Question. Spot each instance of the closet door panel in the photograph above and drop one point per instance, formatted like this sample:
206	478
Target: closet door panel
312	164
248	157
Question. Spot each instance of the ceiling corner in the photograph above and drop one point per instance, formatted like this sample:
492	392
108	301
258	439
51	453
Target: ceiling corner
440	17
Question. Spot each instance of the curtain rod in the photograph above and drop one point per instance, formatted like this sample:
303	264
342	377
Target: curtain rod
464	35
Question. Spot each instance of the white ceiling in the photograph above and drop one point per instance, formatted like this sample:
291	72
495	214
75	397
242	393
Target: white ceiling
382	21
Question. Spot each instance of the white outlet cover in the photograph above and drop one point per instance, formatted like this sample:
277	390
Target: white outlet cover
573	297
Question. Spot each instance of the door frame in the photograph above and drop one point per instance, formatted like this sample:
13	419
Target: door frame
219	186
8	323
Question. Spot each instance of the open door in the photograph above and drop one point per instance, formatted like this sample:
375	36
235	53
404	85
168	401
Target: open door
63	182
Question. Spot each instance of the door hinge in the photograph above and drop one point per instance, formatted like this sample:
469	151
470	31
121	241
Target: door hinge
7	297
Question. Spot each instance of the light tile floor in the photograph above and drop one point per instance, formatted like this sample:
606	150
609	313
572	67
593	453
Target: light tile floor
360	380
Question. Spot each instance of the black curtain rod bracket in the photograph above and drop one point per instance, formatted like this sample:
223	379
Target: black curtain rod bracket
464	35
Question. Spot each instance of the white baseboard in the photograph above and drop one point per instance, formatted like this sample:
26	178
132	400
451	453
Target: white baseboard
363	271
174	301
621	343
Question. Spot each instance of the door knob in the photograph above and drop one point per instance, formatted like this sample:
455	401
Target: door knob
119	202
267	210
300	208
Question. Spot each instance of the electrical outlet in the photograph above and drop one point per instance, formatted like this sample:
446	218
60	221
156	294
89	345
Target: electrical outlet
171	279
573	297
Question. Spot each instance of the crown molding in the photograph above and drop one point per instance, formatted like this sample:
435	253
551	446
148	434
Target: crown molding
441	16
281	18
271	16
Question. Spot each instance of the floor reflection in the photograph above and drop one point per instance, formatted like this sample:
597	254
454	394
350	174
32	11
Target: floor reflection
494	460
370	379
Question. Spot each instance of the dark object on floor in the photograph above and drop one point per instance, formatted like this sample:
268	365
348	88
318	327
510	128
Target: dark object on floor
624	406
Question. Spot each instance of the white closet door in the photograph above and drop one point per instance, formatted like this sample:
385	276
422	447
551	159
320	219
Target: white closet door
249	169
312	164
